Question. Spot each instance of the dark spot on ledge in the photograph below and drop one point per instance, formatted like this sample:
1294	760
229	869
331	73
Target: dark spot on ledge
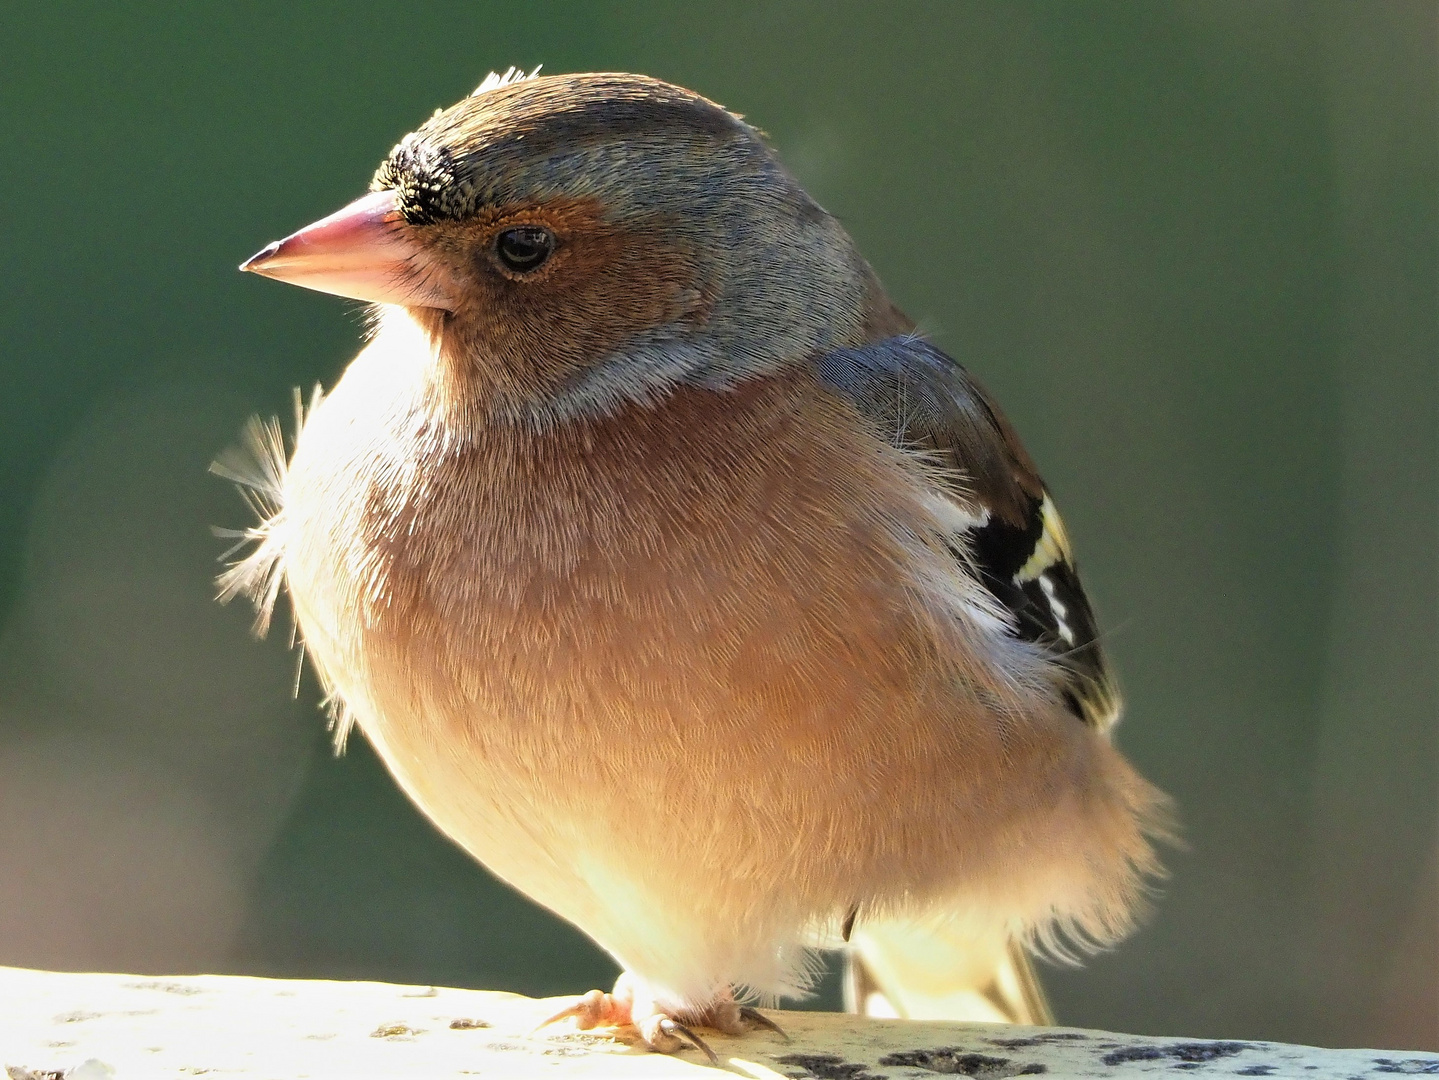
1254	1070
1133	1053
828	1067
565	1051
1190	1053
393	1031
1040	1040
1407	1066
465	1023
955	1061
1204	1051
182	989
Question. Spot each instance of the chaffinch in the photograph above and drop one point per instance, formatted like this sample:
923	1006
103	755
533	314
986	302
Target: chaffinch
681	582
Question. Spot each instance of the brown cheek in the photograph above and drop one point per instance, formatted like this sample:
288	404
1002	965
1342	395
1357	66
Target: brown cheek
603	286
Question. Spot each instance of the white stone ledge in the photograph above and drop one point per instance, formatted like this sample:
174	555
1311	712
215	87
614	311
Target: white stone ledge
127	1027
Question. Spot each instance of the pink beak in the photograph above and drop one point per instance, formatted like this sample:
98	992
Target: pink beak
364	251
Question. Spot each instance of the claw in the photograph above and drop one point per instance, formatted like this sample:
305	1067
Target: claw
589	1011
632	1004
759	1019
674	1029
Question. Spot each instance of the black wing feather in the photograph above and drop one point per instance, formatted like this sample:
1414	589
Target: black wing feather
919	397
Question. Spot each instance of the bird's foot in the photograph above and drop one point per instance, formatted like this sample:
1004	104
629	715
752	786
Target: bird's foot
666	1031
631	1006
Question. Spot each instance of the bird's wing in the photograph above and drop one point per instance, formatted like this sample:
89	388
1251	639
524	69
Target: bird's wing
921	399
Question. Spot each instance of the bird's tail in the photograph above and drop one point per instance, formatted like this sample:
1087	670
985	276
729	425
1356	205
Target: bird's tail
950	970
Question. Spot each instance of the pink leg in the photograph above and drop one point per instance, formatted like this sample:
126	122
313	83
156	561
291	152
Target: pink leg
631	1004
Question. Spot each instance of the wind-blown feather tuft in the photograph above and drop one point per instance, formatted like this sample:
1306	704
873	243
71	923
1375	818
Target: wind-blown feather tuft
494	80
256	466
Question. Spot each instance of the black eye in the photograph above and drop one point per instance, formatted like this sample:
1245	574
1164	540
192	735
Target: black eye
524	248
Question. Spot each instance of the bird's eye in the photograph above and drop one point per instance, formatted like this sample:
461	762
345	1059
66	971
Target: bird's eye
524	248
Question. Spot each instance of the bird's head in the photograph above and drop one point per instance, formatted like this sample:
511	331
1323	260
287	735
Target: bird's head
576	241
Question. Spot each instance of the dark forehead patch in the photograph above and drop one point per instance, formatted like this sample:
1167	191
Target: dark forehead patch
433	168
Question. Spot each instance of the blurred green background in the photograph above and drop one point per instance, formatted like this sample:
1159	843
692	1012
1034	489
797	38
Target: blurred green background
1190	246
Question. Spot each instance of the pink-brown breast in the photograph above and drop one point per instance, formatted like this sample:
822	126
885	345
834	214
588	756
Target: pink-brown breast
668	667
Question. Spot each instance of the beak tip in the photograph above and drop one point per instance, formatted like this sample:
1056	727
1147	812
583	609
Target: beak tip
363	251
254	262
